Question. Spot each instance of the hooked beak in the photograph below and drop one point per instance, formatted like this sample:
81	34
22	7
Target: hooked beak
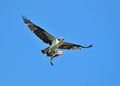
62	38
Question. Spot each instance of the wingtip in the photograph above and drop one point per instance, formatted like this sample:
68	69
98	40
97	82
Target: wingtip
25	19
90	45
87	46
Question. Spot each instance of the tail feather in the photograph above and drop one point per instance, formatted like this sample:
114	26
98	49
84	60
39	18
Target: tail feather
45	51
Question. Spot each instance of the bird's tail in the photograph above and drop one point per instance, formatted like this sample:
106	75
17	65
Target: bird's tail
45	51
87	46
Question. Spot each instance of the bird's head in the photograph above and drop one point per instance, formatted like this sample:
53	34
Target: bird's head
60	39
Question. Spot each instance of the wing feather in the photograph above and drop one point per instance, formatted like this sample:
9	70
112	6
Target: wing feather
41	33
71	46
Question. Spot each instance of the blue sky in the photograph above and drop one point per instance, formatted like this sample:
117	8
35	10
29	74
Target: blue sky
83	22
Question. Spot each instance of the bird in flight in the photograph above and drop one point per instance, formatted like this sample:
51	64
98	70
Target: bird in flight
54	43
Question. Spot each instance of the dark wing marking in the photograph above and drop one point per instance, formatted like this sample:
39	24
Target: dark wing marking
71	46
41	33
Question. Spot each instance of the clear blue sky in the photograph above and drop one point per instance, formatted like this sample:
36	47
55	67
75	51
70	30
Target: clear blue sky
78	21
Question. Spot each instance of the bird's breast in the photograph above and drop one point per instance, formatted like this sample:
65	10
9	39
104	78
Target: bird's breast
55	43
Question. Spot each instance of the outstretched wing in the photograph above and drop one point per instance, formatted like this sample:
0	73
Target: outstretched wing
71	46
41	33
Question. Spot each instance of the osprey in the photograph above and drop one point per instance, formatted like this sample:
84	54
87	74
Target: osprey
55	43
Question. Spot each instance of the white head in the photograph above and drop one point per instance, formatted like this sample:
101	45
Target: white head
60	39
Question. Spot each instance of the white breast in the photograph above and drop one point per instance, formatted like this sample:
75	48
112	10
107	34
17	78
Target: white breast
55	42
54	45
